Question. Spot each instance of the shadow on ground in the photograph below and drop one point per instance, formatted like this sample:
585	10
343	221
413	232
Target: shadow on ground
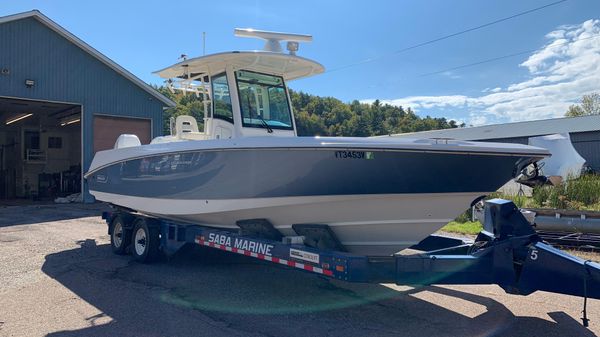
208	292
46	212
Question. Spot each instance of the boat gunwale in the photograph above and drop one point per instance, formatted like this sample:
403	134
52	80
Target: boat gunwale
321	148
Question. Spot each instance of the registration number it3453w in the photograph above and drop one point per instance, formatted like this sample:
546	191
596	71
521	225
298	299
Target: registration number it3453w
354	155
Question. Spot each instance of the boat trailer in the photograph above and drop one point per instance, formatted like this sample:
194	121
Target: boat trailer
507	252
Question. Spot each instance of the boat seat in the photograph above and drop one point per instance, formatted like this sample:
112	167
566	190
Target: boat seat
185	124
186	127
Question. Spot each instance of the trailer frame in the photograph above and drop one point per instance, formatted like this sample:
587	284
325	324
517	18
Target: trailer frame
507	252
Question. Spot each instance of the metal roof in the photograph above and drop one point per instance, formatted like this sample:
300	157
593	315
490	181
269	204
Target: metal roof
512	130
89	49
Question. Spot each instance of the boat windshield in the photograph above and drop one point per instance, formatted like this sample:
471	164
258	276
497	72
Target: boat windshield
263	101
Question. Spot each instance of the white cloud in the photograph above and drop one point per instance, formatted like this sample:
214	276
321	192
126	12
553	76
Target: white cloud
477	120
458	121
451	74
560	72
497	89
426	102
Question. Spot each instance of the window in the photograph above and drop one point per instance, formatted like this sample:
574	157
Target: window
263	101
54	142
221	99
31	140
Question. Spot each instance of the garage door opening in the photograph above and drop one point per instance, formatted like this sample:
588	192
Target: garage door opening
40	150
108	128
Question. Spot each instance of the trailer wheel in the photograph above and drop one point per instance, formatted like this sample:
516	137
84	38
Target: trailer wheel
145	242
119	236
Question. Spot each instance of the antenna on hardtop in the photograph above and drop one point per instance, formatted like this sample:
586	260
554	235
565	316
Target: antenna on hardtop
273	39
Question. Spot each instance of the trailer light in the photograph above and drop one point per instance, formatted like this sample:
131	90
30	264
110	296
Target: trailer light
339	268
10	121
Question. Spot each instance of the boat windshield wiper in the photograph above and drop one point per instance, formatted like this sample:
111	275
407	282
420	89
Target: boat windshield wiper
266	125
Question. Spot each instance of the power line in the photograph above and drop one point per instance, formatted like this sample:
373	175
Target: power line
502	57
446	37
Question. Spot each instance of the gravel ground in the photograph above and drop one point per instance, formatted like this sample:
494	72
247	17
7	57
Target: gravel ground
59	278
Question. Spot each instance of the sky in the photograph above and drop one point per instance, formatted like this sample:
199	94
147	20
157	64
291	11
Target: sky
557	48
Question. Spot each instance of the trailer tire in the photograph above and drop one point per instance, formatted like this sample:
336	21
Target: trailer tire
145	241
120	236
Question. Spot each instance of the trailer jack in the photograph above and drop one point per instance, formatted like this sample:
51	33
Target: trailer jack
585	320
507	252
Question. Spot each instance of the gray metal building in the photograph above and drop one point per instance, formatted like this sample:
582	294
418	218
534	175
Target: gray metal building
60	102
584	132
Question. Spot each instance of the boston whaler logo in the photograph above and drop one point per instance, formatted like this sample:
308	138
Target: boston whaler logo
101	178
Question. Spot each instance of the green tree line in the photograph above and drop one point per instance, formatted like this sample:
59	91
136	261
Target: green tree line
327	116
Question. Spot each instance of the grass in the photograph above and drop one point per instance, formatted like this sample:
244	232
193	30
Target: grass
594	256
468	227
582	193
520	201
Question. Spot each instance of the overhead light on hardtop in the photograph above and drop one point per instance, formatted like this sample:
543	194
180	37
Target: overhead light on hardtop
273	39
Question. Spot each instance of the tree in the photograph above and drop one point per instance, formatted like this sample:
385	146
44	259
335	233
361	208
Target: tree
187	105
574	111
325	116
590	105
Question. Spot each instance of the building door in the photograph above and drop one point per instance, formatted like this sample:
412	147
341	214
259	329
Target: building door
108	128
40	149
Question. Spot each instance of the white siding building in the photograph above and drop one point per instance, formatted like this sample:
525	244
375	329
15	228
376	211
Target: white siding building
584	132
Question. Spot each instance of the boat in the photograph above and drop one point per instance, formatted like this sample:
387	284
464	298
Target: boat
369	196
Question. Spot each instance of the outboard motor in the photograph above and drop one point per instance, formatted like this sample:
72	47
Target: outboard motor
531	176
127	140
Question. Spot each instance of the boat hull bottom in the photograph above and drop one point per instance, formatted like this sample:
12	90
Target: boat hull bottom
373	225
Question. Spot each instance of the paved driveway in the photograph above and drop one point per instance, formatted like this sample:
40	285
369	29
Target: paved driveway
58	277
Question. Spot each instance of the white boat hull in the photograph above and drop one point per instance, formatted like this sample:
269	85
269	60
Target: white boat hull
376	225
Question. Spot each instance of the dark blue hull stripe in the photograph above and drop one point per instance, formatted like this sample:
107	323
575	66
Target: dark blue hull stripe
261	173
